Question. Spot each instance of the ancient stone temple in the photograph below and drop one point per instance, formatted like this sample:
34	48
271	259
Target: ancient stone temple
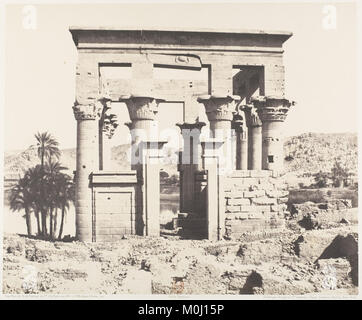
230	180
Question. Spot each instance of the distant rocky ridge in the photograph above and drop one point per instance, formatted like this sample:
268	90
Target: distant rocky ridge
314	152
305	153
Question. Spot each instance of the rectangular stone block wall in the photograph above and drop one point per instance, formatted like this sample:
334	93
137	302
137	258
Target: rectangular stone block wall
255	200
117	207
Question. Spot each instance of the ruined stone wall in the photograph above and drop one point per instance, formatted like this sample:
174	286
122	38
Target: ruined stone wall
255	200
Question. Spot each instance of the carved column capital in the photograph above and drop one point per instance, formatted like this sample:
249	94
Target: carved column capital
87	112
141	107
219	108
239	121
110	123
251	116
272	108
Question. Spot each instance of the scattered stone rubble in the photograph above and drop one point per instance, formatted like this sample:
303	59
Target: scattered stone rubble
325	215
293	262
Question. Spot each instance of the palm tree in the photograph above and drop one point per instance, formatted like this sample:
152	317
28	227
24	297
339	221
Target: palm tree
67	195
47	147
20	199
34	177
54	184
53	177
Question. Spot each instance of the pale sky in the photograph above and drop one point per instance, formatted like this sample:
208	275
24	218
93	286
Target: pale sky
40	64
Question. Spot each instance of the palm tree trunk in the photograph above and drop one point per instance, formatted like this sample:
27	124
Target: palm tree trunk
61	224
51	223
28	221
44	222
55	222
38	221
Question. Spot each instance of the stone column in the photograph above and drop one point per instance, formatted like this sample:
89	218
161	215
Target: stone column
254	125
272	112
219	111
145	158
142	112
241	130
87	161
108	128
189	163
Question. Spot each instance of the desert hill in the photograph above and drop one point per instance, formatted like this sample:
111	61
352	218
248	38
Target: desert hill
305	153
313	152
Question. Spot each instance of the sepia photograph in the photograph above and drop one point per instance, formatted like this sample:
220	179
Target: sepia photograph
180	149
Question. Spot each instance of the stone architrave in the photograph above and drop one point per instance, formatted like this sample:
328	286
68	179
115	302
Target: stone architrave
87	117
272	111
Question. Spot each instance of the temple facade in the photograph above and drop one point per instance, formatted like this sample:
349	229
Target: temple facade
240	87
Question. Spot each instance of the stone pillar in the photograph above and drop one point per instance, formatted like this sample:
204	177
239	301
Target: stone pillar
87	161
219	111
272	112
151	155
241	130
145	158
109	126
189	163
254	125
215	204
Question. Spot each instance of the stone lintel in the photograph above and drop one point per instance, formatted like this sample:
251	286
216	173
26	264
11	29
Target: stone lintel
112	177
190	126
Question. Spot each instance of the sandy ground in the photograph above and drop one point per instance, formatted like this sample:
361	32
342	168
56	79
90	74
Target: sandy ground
14	222
290	262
